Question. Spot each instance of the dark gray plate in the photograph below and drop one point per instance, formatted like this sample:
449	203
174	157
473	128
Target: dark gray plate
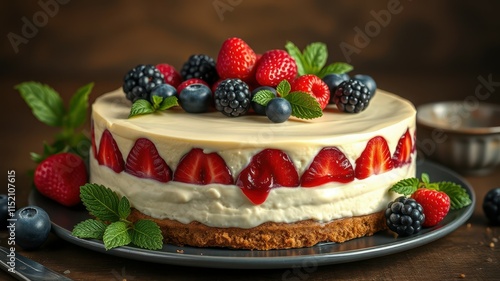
380	244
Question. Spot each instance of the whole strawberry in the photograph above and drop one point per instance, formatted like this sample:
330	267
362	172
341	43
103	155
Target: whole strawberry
236	60
60	176
314	86
436	205
275	66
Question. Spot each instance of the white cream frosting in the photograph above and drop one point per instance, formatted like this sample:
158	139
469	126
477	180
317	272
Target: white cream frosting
175	132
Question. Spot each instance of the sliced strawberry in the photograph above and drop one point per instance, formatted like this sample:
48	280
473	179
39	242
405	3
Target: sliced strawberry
314	86
330	164
268	169
144	161
198	167
402	154
236	60
109	154
375	159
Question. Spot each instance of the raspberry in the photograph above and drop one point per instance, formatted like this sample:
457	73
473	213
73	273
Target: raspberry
314	86
140	81
352	96
491	206
232	97
172	77
436	205
404	216
201	67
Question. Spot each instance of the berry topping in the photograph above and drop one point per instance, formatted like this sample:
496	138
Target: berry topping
196	98
109	154
163	91
202	168
368	81
330	164
32	227
352	96
201	67
278	110
140	81
402	154
236	60
144	161
314	86
232	97
375	159
60	176
333	81
267	169
170	74
404	216
275	66
190	82
491	206
258	108
436	205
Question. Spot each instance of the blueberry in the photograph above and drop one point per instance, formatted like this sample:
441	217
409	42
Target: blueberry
491	205
333	81
32	227
260	109
164	91
278	110
4	211
368	81
195	98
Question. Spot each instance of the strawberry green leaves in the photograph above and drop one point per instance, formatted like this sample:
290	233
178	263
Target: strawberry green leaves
313	60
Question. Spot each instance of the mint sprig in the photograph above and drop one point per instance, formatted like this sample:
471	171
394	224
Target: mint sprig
304	106
313	60
111	222
48	107
141	107
459	197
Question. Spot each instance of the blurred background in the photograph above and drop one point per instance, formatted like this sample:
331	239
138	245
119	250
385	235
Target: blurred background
422	50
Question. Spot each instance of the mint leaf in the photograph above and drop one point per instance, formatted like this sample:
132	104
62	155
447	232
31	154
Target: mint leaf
156	102
459	197
262	97
425	178
168	103
315	55
78	106
91	229
100	201
124	208
283	88
45	103
141	107
296	54
304	105
335	68
146	234
115	235
406	186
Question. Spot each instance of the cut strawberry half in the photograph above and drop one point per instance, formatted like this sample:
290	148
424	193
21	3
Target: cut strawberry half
109	154
375	159
144	161
402	154
197	167
268	169
329	165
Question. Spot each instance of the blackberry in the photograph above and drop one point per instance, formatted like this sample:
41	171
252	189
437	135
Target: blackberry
491	206
201	67
404	216
352	96
140	81
232	97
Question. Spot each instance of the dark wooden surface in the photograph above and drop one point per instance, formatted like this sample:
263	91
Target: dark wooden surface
426	52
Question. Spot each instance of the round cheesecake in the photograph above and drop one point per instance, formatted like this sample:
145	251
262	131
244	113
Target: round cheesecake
226	214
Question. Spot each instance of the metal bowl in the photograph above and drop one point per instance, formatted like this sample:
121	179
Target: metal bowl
463	135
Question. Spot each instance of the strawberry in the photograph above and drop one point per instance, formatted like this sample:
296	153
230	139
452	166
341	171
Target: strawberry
314	86
144	161
330	164
60	176
188	82
109	154
404	148
267	169
170	74
375	159
275	66
236	60
436	205
201	168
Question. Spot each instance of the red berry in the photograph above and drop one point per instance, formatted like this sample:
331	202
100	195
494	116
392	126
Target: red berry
402	154
275	66
330	164
109	154
170	74
144	161
60	176
236	60
375	159
314	86
200	168
436	205
188	82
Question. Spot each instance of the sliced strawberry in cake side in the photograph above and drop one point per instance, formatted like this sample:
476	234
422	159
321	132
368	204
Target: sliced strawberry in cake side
404	149
144	161
268	169
329	165
375	159
202	168
109	154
